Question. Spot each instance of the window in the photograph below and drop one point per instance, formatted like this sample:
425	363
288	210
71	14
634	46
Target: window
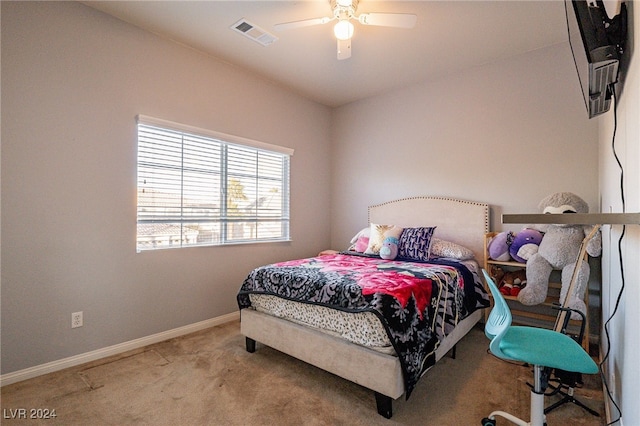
200	188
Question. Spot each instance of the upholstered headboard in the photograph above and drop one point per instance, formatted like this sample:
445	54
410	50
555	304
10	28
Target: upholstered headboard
459	221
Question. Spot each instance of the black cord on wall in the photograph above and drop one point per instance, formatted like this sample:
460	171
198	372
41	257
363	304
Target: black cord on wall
619	297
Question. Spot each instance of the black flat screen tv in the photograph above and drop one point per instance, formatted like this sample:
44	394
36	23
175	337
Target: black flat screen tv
596	43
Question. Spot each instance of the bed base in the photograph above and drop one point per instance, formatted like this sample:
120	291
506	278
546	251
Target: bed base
337	356
384	403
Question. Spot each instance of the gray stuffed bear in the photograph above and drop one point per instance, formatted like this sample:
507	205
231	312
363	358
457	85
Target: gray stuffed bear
559	249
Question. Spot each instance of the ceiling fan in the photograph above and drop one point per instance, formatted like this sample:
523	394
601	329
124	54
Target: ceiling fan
344	11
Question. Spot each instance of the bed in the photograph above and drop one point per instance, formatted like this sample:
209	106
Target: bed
355	324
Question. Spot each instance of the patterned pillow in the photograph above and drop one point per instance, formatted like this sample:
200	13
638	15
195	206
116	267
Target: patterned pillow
415	243
442	248
377	235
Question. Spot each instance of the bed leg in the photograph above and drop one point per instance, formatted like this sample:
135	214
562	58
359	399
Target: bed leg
250	344
453	351
384	404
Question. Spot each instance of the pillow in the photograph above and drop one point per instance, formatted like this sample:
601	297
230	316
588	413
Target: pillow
364	232
415	243
378	233
442	248
360	241
361	244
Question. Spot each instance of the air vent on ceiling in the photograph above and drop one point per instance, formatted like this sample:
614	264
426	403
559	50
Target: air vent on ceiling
253	32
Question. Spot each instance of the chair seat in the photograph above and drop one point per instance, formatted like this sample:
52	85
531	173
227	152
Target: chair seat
548	348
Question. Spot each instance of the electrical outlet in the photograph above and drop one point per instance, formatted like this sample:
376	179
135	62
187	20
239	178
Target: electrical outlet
76	319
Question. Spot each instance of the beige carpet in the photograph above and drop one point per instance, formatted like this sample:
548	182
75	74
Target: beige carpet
209	378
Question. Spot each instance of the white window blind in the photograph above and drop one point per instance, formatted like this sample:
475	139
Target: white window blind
195	189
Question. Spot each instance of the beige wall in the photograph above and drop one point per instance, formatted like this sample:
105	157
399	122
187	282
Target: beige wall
507	133
73	80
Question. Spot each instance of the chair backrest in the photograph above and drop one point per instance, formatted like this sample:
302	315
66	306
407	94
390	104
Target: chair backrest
499	319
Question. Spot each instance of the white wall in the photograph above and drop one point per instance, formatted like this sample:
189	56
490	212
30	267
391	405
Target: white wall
623	369
507	133
73	80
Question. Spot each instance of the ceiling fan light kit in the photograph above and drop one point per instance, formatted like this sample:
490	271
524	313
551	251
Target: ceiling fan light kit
343	30
344	11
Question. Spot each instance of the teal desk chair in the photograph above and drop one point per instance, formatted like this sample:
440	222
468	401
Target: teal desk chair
536	346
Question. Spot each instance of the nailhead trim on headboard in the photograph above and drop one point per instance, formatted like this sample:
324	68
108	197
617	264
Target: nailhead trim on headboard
486	216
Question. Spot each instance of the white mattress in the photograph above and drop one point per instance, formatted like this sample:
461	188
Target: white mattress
362	328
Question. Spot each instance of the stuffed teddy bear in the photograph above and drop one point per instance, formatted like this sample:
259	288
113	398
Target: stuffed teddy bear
389	249
525	244
559	249
512	282
498	246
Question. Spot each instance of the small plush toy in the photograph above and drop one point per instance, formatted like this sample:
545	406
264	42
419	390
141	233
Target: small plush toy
559	249
497	273
512	282
389	249
498	247
525	244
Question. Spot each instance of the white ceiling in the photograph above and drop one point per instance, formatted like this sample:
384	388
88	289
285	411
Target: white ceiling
449	36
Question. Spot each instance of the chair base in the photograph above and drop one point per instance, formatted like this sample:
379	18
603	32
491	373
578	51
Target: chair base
491	420
538	417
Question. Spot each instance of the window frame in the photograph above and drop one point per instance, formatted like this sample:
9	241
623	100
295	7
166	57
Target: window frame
246	149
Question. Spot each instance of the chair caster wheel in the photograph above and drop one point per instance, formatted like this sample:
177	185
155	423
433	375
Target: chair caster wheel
488	422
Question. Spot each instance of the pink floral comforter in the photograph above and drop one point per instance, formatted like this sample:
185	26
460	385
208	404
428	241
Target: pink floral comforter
418	303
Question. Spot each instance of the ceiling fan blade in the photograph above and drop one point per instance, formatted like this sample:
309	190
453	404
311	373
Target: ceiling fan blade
399	20
344	49
303	23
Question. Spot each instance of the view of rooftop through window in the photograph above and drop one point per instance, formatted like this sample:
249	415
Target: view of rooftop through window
196	190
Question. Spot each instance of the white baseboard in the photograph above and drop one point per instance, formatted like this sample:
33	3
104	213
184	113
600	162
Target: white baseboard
39	370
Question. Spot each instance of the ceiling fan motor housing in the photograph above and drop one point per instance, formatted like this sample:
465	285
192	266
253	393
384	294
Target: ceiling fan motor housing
344	9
